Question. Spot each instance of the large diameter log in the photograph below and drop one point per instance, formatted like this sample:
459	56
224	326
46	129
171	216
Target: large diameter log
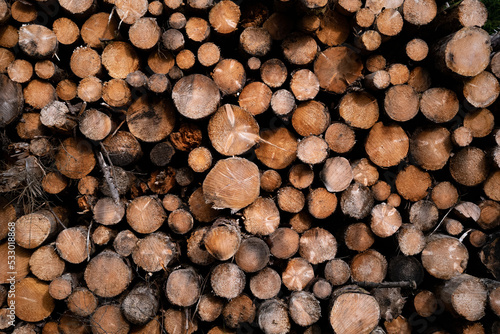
232	183
11	100
337	68
386	145
232	130
37	41
354	311
466	296
32	300
196	96
21	266
444	256
107	274
35	228
466	52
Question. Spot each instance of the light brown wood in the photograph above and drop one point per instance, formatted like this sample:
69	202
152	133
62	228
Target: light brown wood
272	317
358	237
368	266
290	199
462	136
32	300
151	120
321	203
273	73
385	220
465	287
39	93
94	124
36	228
317	245
417	49
420	79
469	166
333	29
239	311
482	90
444	256
364	172
389	22
45	264
412	183
145	214
37	41
73	246
196	96
336	174
278	148
444	195
265	284
255	41
62	287
82	302
436	140
109	319
297	274
419	12
224	17
227	280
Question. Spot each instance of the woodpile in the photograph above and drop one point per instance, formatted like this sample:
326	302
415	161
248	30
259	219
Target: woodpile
305	166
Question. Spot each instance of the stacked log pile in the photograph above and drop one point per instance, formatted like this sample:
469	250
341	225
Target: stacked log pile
301	166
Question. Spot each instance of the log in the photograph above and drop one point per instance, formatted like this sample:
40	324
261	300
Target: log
73	246
321	203
304	308
470	159
482	90
301	176
90	89
465	287
107	274
37	41
417	49
299	49
358	237
183	287
278	148
290	199
224	17
255	98
333	29
239	311
109	319
265	284
283	243
272	317
210	307
444	256
123	148
353	311
82	302
336	174
252	255
310	118
273	73
364	172
385	220
479	122
411	239
401	102
317	245
20	71
255	41
369	266
356	201
32	300
436	140
45	264
312	150
412	183
144	113
424	215
145	214
232	131
297	274
196	96
227	280
34	229
386	145
62	287
283	103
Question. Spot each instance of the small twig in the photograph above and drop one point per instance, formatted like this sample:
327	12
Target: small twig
88	242
401	284
117	128
442	219
108	177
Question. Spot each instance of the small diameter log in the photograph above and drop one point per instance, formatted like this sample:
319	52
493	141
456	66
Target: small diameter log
20	71
436	140
389	22
399	74
353	311
232	183
109	319
154	252
368	41
336	174
425	303
208	54
266	284
201	210
196	250
321	203
144	33
180	221
178	322
420	80
223	239
291	199
32	300
424	215
369	266
411	239
39	93
183	287
465	52
200	159
72	244
116	93
159	83
45	264
94	124
439	104
322	289
337	68
252	255
85	62
254	63
406	270
196	96
102	235
123	148
125	242
227	280
469	166
397	326
255	41
56	115
304	85
462	136
232	130
98	28
255	98
300	49
301	176
358	237
401	102
107	212
417	49
304	308
11	98
412	183
75	158
239	311
34	229
278	148
359	110
482	90
333	29
66	90
283	103
310	118
90	89
386	145
270	180
185	59
82	302
128	59
312	150
419	13
224	17
465	288
317	245
161	154
490	214
261	217
107	274
381	190
37	41
145	214
297	274
54	183
4	11
356	201
364	172
151	120
62	287
273	73
164	63
479	122
364	17
385	220
444	256
209	307
284	243
272	317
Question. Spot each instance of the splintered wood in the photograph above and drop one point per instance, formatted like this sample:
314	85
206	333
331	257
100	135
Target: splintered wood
306	166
